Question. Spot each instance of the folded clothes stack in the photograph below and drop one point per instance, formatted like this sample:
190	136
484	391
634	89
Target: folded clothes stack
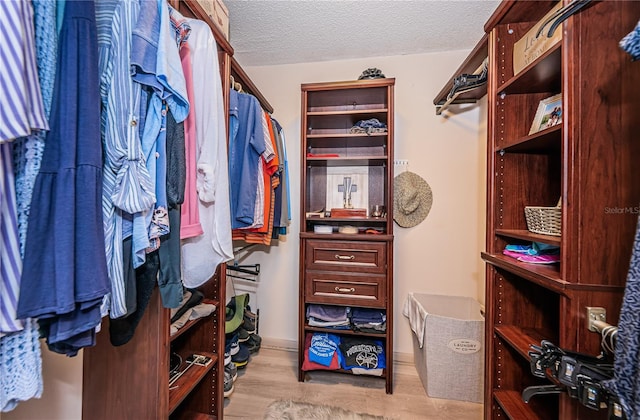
536	253
369	126
328	316
369	320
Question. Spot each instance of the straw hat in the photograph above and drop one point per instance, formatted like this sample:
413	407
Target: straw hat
412	199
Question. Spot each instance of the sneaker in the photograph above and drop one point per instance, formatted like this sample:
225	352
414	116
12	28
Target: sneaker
227	358
249	321
253	343
228	384
232	370
231	344
243	335
242	357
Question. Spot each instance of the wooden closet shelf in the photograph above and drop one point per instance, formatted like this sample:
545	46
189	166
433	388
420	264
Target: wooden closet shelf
345	135
513	406
520	338
348	372
188	381
308	327
345	236
543	75
471	64
348	112
548	140
348	161
529	236
541	274
348	219
193	322
192	415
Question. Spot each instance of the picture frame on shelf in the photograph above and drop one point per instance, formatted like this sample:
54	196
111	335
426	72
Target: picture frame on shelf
549	113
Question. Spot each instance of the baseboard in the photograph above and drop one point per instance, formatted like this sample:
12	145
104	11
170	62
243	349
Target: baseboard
292	345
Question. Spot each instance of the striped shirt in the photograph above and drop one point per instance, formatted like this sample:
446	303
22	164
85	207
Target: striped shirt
21	107
127	186
10	261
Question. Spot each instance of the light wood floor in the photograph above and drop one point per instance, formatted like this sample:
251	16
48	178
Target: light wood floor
272	375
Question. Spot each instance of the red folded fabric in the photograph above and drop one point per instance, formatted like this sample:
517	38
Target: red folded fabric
308	365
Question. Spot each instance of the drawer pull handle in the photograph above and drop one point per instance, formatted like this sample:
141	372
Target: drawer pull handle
345	290
344	257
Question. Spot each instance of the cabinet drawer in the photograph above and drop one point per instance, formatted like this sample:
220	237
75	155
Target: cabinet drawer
363	257
345	289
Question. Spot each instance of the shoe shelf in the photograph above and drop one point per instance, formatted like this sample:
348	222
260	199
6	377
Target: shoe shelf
193	322
183	386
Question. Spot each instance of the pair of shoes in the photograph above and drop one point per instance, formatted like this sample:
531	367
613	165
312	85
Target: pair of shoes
232	370
253	343
241	359
243	335
231	344
250	321
228	384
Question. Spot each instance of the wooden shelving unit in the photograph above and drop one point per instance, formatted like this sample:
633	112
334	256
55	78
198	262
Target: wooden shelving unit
336	268
587	160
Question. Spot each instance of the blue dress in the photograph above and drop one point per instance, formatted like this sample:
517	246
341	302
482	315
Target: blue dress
65	273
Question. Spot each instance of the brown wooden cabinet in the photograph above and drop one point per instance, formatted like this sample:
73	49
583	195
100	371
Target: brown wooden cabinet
347	269
587	161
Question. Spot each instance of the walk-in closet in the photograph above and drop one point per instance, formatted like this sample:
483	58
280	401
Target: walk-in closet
246	209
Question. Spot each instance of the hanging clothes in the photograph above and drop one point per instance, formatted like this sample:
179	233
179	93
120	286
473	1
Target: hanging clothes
65	278
246	144
626	382
21	107
20	357
271	180
631	43
190	222
127	185
10	260
201	255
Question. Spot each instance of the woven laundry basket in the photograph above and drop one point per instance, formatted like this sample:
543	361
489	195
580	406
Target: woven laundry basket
544	220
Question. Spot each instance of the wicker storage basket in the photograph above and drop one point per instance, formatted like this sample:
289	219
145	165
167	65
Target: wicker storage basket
544	220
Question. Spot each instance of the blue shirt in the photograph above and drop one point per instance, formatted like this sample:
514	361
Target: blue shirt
246	144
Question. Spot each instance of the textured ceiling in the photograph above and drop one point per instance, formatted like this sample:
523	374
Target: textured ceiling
270	32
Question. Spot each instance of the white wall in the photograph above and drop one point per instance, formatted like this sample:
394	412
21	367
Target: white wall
439	256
